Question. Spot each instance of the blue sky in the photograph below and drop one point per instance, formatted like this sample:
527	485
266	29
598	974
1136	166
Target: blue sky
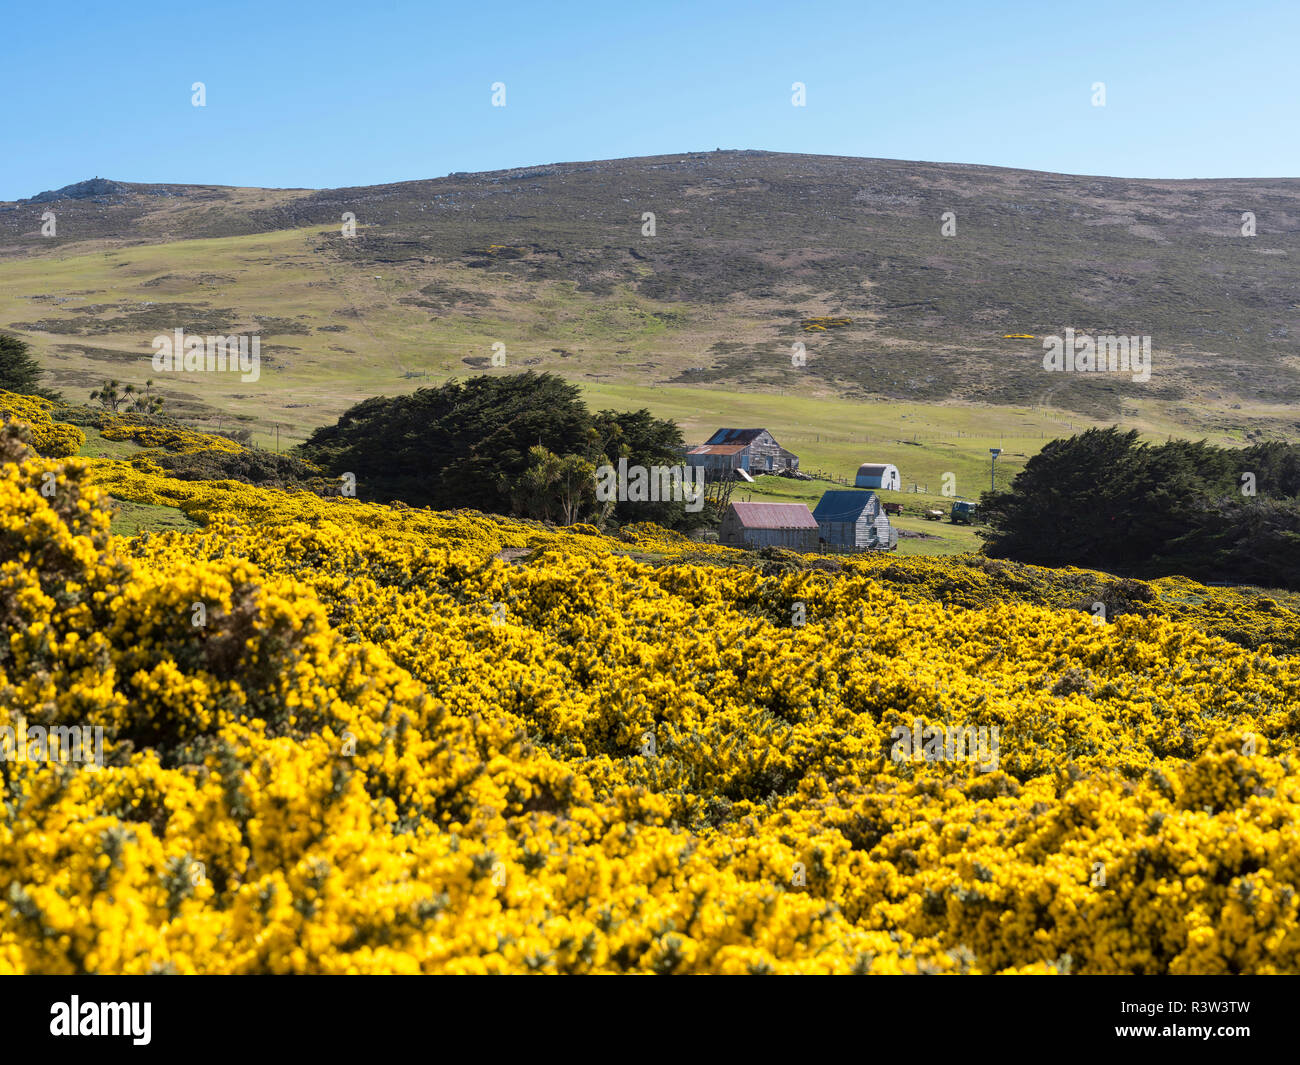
330	94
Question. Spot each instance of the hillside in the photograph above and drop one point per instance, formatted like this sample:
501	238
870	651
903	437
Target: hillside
551	262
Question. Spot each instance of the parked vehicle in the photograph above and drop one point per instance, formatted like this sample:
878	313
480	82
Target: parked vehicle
934	515
963	513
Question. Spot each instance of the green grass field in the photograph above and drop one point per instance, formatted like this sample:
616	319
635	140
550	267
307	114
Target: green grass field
131	519
328	370
98	446
835	436
331	333
335	331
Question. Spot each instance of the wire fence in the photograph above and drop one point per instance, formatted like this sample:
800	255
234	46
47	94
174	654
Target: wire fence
919	439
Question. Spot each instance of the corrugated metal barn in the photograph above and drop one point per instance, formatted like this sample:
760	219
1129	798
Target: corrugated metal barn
853	520
879	475
788	525
718	460
753	450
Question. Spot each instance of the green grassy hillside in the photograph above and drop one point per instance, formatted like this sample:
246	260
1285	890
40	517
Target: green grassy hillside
551	263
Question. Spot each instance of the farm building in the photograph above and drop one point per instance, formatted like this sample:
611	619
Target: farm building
853	520
879	475
752	450
719	460
788	525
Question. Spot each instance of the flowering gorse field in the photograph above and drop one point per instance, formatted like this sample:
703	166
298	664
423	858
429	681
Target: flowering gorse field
344	737
49	437
182	441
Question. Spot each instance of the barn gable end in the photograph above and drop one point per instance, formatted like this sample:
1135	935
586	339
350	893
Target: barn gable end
753	450
854	520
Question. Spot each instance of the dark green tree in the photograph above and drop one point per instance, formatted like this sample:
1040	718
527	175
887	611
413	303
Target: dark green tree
1060	508
463	444
645	440
19	370
509	444
1105	500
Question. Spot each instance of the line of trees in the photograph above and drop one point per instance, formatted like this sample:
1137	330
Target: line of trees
520	444
1104	500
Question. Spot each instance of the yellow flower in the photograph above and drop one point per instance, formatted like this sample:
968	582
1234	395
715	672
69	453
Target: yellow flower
351	761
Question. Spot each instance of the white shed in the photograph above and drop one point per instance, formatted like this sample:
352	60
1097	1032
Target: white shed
881	475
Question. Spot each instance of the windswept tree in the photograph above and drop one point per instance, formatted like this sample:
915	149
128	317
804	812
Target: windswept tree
19	370
640	437
1106	500
462	444
509	444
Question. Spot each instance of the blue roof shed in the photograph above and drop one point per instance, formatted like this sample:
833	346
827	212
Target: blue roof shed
854	520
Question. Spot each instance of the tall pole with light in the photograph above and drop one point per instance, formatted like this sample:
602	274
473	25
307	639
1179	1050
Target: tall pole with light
993	466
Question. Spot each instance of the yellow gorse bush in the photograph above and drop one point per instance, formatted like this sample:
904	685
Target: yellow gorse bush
182	441
384	748
49	437
823	323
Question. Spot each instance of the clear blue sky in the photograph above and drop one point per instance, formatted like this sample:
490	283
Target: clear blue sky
328	94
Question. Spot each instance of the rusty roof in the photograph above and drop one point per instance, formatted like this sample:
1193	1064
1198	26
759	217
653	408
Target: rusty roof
774	515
